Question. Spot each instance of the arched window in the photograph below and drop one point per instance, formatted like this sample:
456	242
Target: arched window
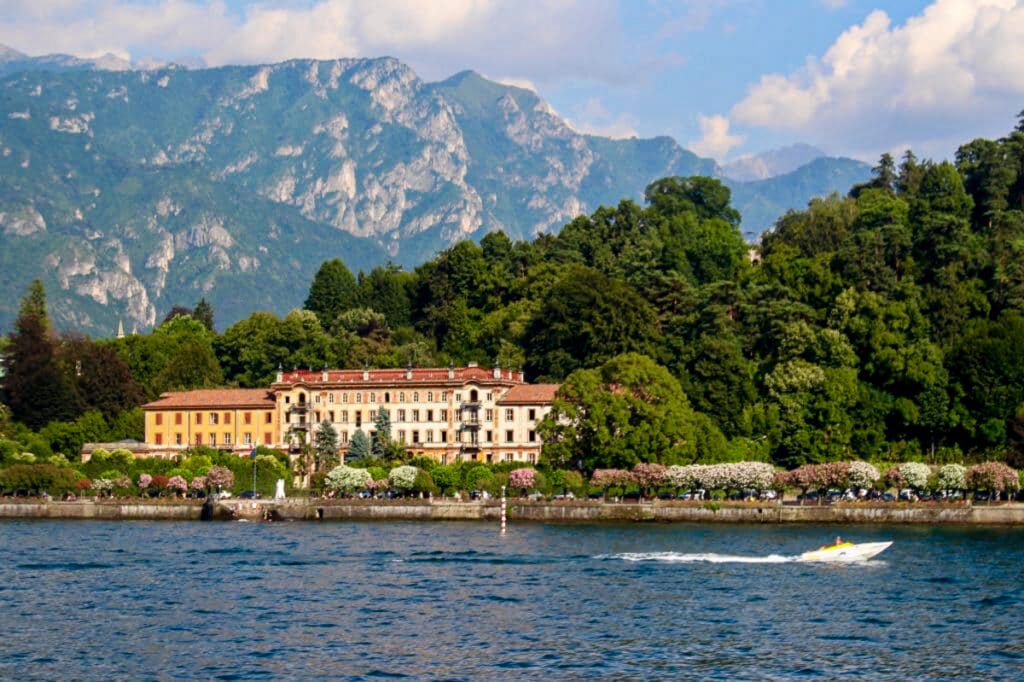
344	398
302	398
387	397
401	397
359	397
430	396
474	396
330	397
373	397
416	397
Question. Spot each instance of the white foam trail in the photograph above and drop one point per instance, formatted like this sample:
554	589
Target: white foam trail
711	558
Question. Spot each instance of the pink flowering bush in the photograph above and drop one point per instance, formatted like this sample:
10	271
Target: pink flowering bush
198	483
220	477
604	479
177	484
650	476
992	477
145	480
522	479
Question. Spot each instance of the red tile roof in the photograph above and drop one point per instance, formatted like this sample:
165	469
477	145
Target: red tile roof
530	394
422	374
214	397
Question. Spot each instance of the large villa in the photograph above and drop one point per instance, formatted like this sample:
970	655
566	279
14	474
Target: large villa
448	414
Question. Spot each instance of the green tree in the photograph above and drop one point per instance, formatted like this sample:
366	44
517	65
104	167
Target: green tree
204	313
381	434
333	290
358	447
325	445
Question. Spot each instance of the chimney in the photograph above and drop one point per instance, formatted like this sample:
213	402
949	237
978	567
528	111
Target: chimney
451	372
366	375
324	375
408	371
280	374
497	371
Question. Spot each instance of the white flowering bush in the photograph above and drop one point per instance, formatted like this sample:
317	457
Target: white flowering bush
683	477
915	474
102	485
952	477
347	479
729	476
403	477
862	475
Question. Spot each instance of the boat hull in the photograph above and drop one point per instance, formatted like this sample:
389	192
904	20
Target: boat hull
847	553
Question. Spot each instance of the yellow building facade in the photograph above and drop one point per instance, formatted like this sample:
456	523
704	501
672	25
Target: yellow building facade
226	419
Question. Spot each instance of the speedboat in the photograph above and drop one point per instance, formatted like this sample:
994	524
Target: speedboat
846	551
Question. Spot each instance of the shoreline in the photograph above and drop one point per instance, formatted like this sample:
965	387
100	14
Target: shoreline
1006	514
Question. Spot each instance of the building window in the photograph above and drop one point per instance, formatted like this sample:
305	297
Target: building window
227	417
444	436
359	398
401	416
430	436
199	417
213	418
444	396
416	397
430	415
316	417
401	397
415	415
444	415
489	415
508	436
266	439
227	439
199	439
430	396
344	438
287	400
401	436
510	414
458	397
159	419
344	398
177	439
490	396
269	418
532	436
344	416
487	436
316	398
359	418
159	439
247	438
533	414
373	415
330	397
247	417
213	439
415	437
330	416
533	458
373	397
508	456
177	418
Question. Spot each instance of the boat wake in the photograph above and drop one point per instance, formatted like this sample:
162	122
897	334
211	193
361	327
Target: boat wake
709	558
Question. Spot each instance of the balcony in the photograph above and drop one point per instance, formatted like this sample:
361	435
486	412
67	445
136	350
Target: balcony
299	407
470	405
472	423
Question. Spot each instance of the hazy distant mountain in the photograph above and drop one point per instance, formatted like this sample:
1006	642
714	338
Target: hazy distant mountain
132	190
771	163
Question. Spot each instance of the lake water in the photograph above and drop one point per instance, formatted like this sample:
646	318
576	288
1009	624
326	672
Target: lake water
458	601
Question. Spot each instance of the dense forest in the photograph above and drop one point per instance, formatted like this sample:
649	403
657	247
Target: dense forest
885	325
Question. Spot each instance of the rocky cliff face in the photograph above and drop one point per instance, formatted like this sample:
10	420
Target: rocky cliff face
132	190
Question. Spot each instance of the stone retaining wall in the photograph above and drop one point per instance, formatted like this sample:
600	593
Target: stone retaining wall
569	512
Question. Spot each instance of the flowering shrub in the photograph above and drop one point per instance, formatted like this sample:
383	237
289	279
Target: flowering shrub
160	481
683	477
83	484
177	484
862	475
348	479
221	477
952	477
145	480
122	482
650	476
403	477
102	485
522	479
603	479
198	483
894	478
729	476
915	474
994	477
380	485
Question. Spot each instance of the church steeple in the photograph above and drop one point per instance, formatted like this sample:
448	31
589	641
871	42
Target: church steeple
120	329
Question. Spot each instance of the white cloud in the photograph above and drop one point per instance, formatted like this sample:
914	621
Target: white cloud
715	140
534	39
593	118
951	72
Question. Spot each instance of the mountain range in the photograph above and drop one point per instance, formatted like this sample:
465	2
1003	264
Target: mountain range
133	189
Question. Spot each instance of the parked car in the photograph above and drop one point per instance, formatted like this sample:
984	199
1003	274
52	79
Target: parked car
249	495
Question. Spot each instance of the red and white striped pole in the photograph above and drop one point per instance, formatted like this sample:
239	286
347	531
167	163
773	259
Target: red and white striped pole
502	510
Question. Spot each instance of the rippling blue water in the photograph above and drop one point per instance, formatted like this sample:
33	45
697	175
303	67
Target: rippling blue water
458	601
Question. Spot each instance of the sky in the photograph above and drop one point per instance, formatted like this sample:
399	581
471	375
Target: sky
725	78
